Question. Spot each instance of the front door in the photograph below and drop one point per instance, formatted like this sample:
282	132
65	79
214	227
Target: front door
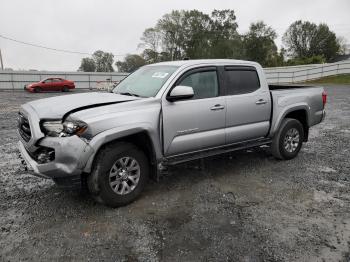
198	123
47	85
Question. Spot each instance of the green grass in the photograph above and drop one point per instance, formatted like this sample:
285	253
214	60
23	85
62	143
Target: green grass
338	79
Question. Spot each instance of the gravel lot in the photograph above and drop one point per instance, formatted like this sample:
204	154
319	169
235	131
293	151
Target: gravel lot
244	206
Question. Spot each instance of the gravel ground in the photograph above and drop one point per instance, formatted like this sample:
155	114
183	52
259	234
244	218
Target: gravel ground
243	206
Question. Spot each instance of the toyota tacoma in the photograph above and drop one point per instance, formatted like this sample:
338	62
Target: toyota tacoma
161	115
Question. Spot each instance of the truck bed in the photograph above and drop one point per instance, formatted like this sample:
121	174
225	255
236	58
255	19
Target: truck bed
305	97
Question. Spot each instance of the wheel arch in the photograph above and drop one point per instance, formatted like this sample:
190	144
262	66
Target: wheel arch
302	117
300	113
140	138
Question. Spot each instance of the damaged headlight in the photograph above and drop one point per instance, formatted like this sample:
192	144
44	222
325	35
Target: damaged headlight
52	127
67	128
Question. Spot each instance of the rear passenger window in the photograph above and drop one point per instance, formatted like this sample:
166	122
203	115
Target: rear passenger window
204	84
241	81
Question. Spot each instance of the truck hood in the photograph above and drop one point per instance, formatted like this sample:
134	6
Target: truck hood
59	106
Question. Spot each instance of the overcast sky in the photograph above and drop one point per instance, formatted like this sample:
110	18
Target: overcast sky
116	26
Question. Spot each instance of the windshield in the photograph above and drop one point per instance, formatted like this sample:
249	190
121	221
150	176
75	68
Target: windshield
146	81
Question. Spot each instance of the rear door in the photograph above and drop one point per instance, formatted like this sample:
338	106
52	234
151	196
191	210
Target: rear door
248	104
197	123
57	84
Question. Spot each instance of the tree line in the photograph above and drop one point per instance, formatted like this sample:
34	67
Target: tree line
193	34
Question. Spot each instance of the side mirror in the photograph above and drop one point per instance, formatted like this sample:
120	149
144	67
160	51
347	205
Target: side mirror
180	92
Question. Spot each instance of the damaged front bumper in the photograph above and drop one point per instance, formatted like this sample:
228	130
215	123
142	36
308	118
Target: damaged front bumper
70	157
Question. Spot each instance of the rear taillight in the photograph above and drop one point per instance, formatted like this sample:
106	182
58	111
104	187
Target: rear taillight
324	98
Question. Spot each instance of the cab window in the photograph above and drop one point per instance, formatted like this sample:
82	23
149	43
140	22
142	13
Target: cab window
241	80
204	84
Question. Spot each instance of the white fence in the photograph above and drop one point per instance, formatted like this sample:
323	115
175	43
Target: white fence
289	74
295	74
17	79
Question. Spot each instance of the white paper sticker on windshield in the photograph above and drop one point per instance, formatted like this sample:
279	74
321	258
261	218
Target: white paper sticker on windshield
160	74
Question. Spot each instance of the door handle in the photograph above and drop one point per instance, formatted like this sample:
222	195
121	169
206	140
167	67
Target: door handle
261	102
217	107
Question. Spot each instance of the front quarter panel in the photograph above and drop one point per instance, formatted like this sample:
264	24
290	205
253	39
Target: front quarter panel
121	120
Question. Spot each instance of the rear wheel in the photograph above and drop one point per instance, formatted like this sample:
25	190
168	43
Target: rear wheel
119	174
288	140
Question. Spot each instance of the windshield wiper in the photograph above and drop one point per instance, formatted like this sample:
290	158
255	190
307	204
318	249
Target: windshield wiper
128	94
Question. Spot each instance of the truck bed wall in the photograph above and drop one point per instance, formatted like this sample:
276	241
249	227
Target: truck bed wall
282	87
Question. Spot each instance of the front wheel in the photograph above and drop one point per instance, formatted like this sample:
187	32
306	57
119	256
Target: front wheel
119	174
65	89
288	140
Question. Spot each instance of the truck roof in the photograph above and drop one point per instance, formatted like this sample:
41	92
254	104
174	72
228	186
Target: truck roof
206	61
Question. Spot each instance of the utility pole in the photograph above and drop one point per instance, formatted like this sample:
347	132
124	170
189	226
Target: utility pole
2	64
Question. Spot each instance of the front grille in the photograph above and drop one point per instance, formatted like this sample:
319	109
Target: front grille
24	127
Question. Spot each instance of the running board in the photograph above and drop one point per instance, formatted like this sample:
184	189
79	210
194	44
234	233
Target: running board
177	159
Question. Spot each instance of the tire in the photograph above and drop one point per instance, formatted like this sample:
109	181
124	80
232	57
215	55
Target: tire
109	160
288	140
37	89
65	89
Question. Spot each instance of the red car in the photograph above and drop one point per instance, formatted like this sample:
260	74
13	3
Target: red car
51	84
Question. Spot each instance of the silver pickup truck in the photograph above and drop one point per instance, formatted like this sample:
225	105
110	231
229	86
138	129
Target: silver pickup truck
161	115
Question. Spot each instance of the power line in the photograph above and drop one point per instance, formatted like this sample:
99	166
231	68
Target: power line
48	48
342	27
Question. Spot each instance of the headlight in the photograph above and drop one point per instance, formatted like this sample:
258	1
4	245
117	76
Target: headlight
74	127
53	127
68	128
